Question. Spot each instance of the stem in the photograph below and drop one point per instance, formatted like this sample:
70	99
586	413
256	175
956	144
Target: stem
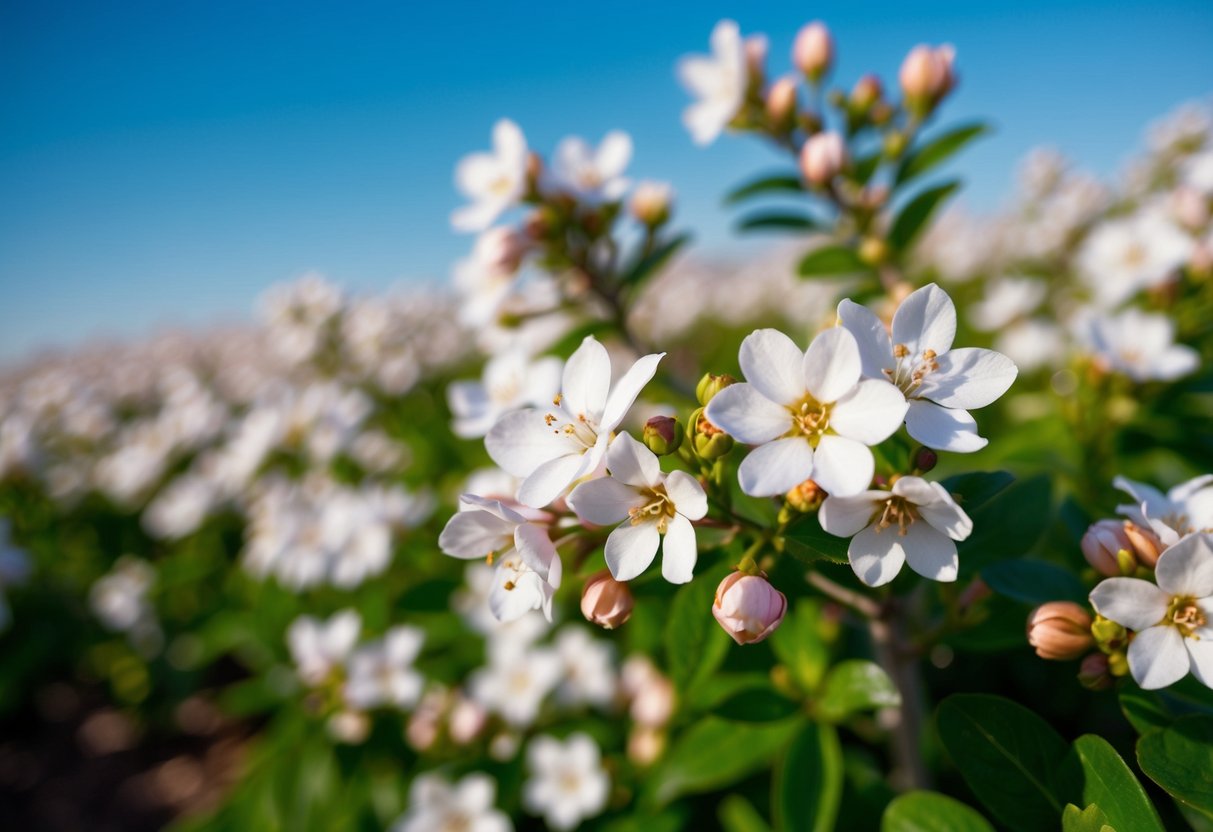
862	604
900	662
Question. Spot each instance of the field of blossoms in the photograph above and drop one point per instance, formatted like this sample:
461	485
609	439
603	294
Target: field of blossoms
904	524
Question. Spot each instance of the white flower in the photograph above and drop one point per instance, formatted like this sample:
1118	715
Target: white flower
1123	256
589	669
553	448
810	413
318	649
511	380
568	783
650	505
1186	508
119	599
592	177
493	181
1032	344
916	523
382	673
1007	299
719	82
1139	344
528	565
941	384
1198	172
515	681
1171	620
435	805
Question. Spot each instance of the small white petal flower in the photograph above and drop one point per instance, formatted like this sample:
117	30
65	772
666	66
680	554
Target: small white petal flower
916	522
511	381
1123	256
436	805
810	413
1186	508
1171	620
592	177
1006	300
553	448
381	673
650	504
493	181
941	383
719	82
515	681
568	783
1139	344
317	648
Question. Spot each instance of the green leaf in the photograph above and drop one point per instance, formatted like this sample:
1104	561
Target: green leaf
654	260
1090	819
1180	759
1151	709
737	814
776	221
757	704
829	261
695	644
855	685
715	753
808	781
781	183
937	151
866	166
931	812
1009	524
1095	773
799	644
1033	582
1009	757
806	540
975	489
913	217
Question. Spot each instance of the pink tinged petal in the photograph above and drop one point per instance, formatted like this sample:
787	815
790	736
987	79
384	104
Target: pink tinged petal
632	463
875	346
547	482
474	534
929	552
537	551
843	467
926	320
847	516
876	557
944	514
587	378
1130	602
969	378
522	441
1200	657
750	417
688	495
678	552
1158	658
776	467
942	428
631	548
772	364
1187	567
870	413
832	365
625	391
604	501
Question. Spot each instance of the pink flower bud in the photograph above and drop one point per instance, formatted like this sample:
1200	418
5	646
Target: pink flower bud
1101	544
651	202
866	92
756	47
467	719
501	249
1093	673
822	157
653	703
606	601
926	75
748	607
1060	630
1146	545
813	50
781	102
645	745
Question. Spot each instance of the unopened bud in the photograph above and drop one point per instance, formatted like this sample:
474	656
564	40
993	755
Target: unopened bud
756	47
823	157
1146	545
1093	673
645	745
873	251
534	167
1109	635
748	607
710	385
606	601
781	104
926	77
467	719
501	249
653	703
806	497
651	203
925	459
894	144
866	92
1101	544
349	727
813	51
1060	630
662	434
708	441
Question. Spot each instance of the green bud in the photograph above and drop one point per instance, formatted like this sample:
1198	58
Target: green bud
708	441
894	145
1108	634
710	385
662	435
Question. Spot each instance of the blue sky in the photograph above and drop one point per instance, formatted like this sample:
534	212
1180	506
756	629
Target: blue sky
163	163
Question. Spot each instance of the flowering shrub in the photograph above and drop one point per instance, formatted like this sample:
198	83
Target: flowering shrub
611	538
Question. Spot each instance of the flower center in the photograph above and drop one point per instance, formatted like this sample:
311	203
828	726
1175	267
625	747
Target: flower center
1185	615
501	185
1134	255
911	369
810	419
658	508
897	512
580	427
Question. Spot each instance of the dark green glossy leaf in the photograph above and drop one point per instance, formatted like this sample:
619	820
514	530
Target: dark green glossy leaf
1033	581
975	489
1095	773
717	752
937	151
808	781
1009	524
646	266
737	814
855	685
777	221
799	644
866	166
805	540
913	217
757	704
831	261
781	183
695	644
931	812
1179	758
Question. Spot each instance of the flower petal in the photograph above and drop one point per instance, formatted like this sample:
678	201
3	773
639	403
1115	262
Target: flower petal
1130	602
875	346
604	501
846	516
832	365
969	378
842	466
678	552
1187	567
942	428
613	154
631	548
749	416
549	480
930	552
537	551
876	557
586	380
1200	656
1157	657
474	534
688	495
944	514
772	363
776	467
926	320
625	391
870	413
522	441
632	463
